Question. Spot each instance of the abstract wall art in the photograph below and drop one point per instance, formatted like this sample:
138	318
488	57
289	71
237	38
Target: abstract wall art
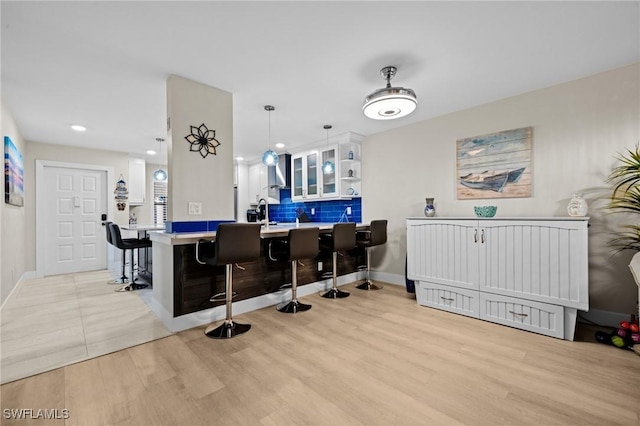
13	174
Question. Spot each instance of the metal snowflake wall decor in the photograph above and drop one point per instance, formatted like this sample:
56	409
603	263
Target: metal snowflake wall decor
202	140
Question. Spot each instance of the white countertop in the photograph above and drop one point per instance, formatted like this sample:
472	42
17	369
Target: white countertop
279	230
500	218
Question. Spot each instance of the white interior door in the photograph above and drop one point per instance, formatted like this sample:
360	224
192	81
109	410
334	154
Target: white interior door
74	238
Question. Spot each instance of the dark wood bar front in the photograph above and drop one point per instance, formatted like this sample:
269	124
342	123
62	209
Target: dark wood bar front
194	284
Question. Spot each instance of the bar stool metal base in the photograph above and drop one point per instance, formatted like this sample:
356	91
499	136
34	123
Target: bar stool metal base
292	307
131	287
335	293
226	330
368	285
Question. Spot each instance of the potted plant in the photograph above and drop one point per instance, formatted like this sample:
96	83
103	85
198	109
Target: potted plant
625	198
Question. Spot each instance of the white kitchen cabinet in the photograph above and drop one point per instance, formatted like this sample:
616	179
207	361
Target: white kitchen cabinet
308	182
137	181
526	273
259	185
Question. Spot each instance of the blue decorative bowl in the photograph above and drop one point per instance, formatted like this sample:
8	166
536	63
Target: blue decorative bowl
485	211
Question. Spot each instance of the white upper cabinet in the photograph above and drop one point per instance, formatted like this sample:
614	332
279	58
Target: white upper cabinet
137	181
309	182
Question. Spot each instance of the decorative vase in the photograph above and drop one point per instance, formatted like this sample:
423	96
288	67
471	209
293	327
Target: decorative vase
429	209
577	206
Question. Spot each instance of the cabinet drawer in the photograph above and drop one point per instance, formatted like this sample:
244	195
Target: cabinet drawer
527	315
452	299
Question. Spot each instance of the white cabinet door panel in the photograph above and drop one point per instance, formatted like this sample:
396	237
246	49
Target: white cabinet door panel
444	252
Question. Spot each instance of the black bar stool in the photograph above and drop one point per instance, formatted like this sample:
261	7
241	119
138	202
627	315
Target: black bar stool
303	244
343	237
375	236
123	279
234	243
124	245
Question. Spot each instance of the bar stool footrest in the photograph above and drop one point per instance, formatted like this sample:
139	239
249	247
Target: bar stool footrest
221	297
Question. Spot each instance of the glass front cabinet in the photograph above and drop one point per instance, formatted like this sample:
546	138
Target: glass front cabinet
308	181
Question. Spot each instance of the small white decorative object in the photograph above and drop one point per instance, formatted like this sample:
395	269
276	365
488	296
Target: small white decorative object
577	206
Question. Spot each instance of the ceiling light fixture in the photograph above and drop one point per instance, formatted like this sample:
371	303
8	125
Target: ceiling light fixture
328	167
270	157
389	102
159	175
78	128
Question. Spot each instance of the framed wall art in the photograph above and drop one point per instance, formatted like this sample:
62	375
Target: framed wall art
13	174
497	165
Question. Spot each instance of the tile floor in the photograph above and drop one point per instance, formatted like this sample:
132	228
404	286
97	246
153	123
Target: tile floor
60	320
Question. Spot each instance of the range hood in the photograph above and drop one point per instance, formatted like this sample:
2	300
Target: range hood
279	176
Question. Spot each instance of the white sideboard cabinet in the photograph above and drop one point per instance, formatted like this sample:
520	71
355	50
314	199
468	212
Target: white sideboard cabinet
528	273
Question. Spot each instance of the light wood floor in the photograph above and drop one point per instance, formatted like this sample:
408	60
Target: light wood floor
59	320
375	358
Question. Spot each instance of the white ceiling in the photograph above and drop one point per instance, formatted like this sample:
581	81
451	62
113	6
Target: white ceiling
105	65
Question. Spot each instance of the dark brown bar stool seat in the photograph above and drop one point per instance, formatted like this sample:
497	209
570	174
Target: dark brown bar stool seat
303	244
124	245
375	236
234	243
343	237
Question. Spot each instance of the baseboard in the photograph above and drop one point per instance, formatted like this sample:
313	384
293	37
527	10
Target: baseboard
388	278
28	275
603	318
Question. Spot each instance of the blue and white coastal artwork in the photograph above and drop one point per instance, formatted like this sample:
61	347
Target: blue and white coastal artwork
497	165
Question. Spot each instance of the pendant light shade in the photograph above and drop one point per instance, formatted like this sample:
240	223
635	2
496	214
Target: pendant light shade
270	157
389	102
328	167
160	175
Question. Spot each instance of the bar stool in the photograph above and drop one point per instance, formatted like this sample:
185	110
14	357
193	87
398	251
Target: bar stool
234	243
375	236
303	244
124	245
343	237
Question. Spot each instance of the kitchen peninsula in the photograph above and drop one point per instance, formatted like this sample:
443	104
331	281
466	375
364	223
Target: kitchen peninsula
182	287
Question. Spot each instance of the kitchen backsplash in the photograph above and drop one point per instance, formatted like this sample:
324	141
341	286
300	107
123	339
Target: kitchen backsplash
316	211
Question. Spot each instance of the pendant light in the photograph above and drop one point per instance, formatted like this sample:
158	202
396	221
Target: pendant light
328	167
159	175
270	157
389	102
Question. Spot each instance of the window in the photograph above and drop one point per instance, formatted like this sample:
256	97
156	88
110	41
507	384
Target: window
159	202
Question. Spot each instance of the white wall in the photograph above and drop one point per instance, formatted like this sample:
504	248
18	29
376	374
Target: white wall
13	252
192	178
578	129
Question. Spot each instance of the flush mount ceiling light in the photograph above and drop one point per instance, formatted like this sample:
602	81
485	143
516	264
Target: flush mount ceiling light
328	167
270	157
78	128
159	175
389	102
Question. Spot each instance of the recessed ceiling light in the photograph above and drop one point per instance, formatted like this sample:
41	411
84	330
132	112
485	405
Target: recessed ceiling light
279	145
239	158
78	128
151	152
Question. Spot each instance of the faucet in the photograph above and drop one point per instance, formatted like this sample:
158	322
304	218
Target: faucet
266	210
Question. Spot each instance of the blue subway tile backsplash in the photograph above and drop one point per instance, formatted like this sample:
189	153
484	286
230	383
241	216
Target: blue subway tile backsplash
325	211
194	226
